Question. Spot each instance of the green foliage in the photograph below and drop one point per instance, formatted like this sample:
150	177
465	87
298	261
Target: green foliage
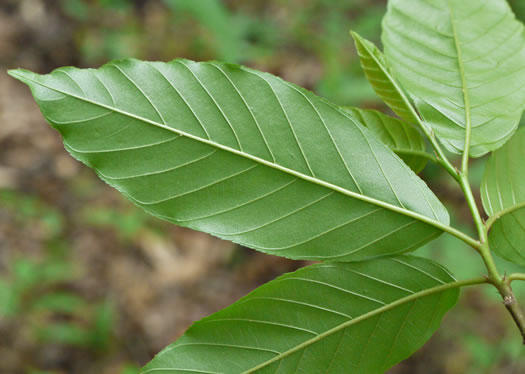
343	318
503	194
462	62
283	161
249	157
380	77
397	135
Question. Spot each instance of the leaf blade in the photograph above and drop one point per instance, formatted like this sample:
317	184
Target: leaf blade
503	197
399	136
378	73
181	141
341	328
458	67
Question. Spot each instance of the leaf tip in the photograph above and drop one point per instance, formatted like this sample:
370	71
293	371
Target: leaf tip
21	74
359	41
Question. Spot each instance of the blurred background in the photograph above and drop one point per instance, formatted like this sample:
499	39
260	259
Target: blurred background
91	284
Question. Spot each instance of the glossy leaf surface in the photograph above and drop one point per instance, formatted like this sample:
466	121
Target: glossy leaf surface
503	195
380	76
462	61
399	136
359	318
242	155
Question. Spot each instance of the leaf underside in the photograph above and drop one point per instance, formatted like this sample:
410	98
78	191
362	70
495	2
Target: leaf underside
462	61
503	195
397	135
242	155
380	76
326	318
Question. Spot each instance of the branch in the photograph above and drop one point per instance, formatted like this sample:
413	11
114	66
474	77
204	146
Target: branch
510	302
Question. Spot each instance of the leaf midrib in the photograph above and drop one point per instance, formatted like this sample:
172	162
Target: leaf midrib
343	191
465	90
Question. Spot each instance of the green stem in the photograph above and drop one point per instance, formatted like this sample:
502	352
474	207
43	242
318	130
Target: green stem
471	201
440	155
516	276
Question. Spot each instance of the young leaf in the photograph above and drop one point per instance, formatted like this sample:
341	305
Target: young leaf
399	136
242	155
462	60
503	195
380	77
359	318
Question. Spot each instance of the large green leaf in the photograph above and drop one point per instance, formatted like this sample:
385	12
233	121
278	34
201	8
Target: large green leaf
462	60
242	155
329	318
503	195
399	136
382	80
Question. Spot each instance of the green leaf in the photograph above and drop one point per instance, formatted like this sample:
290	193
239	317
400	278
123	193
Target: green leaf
463	63
242	155
503	196
399	136
329	318
379	75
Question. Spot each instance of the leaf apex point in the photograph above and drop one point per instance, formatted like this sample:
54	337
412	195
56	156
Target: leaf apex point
12	72
355	35
19	74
